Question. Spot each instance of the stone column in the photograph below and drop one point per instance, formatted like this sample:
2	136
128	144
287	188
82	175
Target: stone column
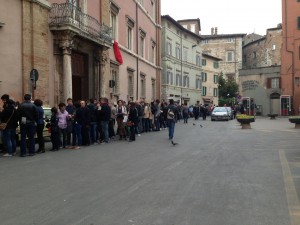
66	47
105	72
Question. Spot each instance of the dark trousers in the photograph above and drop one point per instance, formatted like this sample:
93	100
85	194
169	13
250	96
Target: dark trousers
27	130
85	135
132	132
55	140
63	133
40	137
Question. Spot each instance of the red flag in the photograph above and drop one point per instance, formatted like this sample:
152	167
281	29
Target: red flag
118	53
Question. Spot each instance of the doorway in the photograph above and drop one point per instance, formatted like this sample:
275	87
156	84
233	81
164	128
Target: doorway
80	77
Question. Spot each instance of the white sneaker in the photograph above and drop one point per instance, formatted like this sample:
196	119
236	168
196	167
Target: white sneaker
7	155
139	135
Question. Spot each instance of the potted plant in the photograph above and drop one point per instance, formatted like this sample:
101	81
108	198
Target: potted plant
245	120
296	121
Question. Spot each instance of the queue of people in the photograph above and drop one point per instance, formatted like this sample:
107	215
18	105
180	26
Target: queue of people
74	125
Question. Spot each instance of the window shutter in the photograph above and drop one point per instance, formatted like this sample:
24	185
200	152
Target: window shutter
269	80
279	82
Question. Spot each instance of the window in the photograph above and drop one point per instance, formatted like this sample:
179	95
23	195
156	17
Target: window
193	28
185	54
186	81
169	48
178	80
153	87
169	77
153	52
143	85
275	83
142	43
244	58
130	26
230	56
229	40
203	62
205	41
273	46
298	23
198	82
198	60
216	79
114	71
130	83
204	76
216	65
216	92
254	55
153	9
178	52
204	91
114	11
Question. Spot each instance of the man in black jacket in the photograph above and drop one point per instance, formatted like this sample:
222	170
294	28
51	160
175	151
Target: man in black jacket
28	116
104	115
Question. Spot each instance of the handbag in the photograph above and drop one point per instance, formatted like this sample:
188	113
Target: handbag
4	125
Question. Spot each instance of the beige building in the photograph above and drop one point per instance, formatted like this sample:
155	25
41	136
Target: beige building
227	47
210	79
65	41
181	62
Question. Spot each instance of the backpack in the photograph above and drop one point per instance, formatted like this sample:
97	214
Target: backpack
170	114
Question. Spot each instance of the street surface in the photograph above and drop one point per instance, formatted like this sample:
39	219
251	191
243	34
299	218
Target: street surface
217	175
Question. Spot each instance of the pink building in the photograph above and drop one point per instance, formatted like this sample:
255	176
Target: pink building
136	26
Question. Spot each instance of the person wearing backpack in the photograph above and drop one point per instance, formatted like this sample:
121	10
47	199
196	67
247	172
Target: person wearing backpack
171	112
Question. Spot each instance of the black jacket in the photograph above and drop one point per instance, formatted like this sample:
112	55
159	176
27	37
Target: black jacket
11	114
105	113
29	111
133	115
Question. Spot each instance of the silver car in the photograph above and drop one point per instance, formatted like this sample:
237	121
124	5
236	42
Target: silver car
220	113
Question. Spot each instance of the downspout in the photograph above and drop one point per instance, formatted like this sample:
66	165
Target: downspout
32	43
137	52
181	66
287	50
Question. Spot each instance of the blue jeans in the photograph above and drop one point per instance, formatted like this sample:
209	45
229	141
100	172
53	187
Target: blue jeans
27	130
93	132
146	124
171	129
157	124
63	132
9	139
104	126
77	136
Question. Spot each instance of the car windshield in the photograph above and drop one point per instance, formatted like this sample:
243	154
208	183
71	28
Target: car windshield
220	110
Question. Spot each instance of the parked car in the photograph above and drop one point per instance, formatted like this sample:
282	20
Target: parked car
220	113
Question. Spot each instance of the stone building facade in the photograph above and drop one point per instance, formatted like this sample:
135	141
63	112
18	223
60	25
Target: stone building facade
227	47
265	51
181	62
136	27
260	77
66	41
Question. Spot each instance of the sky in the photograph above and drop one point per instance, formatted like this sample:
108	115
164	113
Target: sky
230	16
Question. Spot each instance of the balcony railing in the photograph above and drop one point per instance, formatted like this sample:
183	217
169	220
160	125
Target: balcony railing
67	14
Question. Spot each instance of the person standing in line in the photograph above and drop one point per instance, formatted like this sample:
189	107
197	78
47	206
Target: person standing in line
63	117
133	119
86	120
185	113
112	121
172	111
28	115
146	118
71	110
9	116
54	130
94	122
121	113
77	127
40	126
104	115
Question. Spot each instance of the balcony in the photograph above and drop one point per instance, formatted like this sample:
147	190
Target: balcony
69	17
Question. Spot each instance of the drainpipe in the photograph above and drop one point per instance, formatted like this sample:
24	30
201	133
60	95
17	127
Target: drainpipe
181	66
287	50
137	52
32	47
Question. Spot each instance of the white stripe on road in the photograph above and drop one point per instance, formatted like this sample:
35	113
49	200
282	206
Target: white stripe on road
290	189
